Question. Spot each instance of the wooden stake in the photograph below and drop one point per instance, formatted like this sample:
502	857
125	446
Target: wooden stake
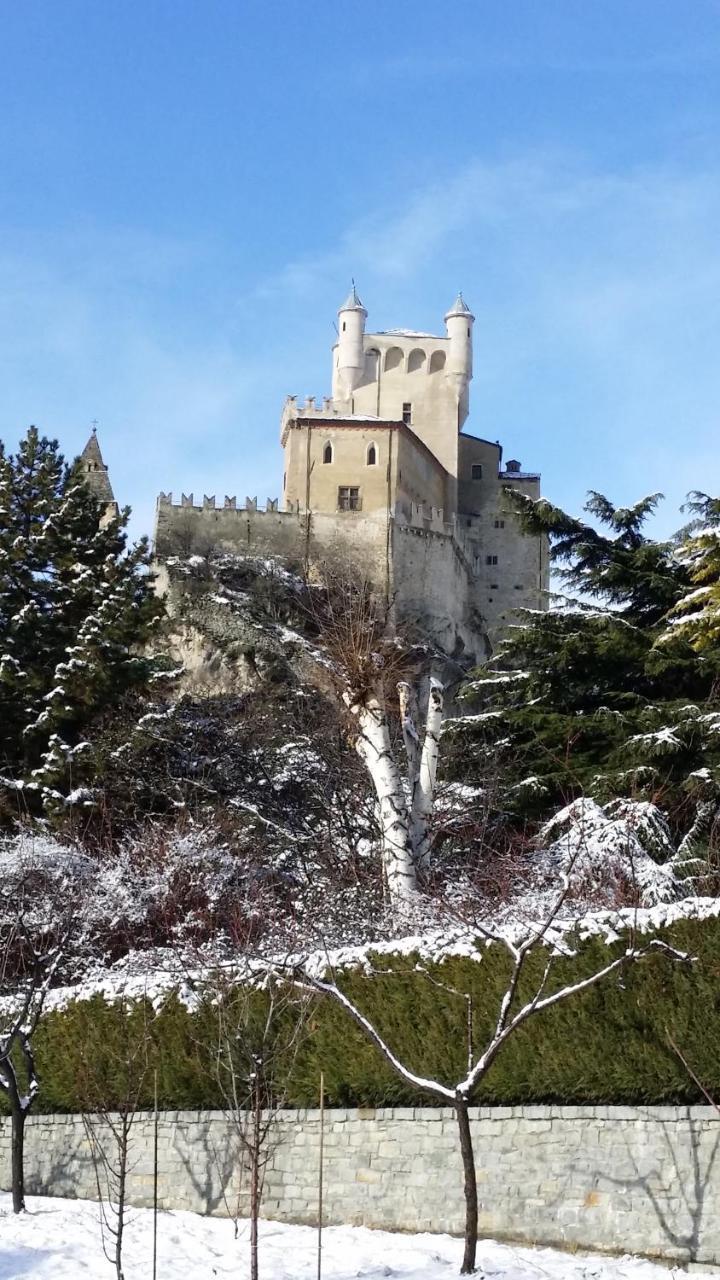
155	1179
320	1176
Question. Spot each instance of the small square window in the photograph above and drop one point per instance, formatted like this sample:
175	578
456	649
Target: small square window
348	498
499	524
476	471
491	559
407	413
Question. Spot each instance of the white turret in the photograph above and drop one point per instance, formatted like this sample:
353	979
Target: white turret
459	322
350	354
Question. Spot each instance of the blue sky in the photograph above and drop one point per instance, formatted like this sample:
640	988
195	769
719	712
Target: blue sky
187	187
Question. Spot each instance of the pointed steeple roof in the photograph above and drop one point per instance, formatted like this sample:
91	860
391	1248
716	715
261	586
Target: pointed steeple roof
352	302
95	472
459	308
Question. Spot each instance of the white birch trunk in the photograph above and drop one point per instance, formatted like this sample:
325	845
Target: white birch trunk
423	794
375	748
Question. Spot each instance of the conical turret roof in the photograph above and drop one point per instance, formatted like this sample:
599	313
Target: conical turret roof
459	308
352	302
95	472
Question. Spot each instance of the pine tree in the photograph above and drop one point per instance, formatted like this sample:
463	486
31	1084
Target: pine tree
76	612
581	699
696	615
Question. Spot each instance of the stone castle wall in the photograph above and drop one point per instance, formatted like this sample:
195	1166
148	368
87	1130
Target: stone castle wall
435	572
628	1179
345	535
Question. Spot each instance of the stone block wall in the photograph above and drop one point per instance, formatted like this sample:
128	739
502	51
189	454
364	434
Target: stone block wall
635	1179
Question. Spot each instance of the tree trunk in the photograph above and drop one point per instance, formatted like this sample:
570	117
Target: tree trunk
121	1189
470	1184
255	1181
423	803
375	748
17	1157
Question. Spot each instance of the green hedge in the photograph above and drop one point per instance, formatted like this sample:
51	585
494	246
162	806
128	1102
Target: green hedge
607	1045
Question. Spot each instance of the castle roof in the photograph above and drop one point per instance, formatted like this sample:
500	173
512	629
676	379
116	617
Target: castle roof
95	472
352	302
459	308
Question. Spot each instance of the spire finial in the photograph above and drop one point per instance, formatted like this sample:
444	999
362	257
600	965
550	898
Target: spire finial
459	308
353	302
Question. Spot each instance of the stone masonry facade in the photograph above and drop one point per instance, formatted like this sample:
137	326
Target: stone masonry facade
384	479
628	1179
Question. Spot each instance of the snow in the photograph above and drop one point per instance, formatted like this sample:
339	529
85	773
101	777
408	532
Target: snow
615	843
60	1240
408	333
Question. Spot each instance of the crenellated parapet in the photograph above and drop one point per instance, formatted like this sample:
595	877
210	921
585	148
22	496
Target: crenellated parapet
210	503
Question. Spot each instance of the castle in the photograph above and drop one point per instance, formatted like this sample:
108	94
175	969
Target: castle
383	478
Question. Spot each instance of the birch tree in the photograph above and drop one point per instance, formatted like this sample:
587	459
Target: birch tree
405	804
379	677
524	997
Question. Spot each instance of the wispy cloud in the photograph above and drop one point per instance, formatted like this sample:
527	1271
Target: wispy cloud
598	301
597	295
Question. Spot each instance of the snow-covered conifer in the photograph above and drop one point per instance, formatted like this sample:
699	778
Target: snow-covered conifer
76	610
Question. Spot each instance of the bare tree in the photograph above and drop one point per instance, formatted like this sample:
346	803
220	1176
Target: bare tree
514	1011
41	925
111	1081
258	1034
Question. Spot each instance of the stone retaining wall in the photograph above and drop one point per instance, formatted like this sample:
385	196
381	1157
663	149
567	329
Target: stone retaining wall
640	1179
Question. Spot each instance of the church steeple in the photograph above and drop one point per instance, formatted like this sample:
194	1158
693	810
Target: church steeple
95	475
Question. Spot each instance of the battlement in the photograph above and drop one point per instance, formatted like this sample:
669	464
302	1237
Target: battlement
310	409
210	503
416	515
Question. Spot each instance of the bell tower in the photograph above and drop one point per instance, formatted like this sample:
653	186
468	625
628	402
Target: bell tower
95	475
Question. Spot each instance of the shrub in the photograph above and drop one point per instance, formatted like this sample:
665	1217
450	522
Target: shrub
607	1045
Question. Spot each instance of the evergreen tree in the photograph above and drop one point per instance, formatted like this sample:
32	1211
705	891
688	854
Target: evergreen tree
76	612
696	615
582	699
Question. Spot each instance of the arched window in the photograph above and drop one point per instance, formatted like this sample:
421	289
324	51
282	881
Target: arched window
328	453
416	359
371	455
437	361
393	359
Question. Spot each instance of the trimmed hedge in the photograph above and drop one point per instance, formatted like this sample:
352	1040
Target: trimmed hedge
607	1045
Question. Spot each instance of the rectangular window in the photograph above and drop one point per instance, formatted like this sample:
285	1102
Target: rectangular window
499	524
476	471
407	413
491	559
348	498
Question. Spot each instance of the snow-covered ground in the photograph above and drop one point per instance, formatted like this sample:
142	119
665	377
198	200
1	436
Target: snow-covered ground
60	1239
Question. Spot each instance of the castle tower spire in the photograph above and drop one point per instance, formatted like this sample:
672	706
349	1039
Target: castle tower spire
95	475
